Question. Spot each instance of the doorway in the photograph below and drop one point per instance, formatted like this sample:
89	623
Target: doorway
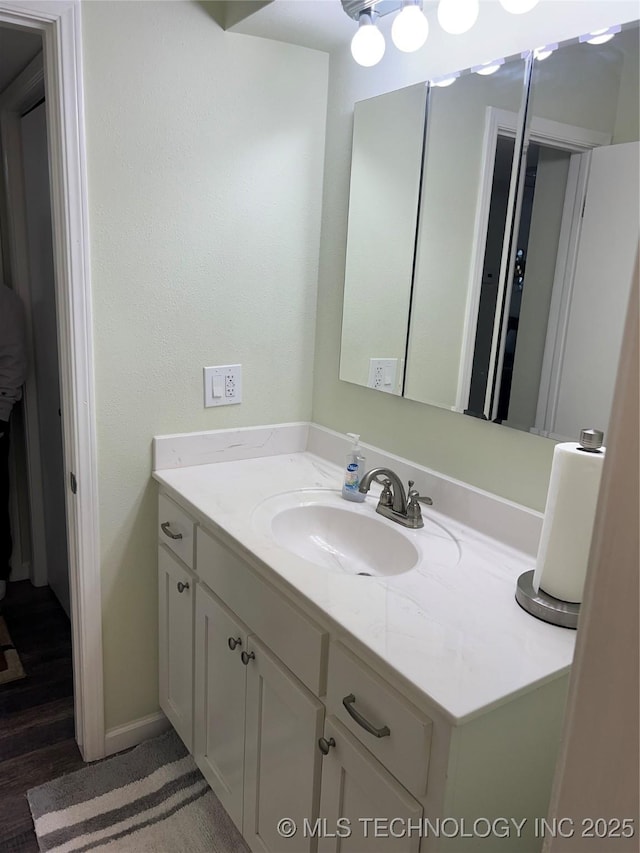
38	493
59	27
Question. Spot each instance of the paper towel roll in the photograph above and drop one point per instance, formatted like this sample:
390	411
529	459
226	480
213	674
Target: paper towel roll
567	527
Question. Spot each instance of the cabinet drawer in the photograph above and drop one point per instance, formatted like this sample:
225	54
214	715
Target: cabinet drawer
175	529
290	634
404	751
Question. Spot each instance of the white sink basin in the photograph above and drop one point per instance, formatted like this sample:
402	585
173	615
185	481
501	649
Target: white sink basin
320	527
338	539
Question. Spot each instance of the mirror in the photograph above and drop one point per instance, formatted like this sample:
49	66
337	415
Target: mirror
386	163
466	122
557	346
493	233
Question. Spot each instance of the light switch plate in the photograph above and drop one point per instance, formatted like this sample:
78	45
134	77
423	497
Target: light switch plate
222	385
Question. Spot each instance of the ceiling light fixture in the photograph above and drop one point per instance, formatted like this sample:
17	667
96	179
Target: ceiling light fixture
601	36
410	28
367	45
518	7
458	16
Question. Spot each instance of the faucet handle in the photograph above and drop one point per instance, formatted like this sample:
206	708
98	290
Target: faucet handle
414	511
414	496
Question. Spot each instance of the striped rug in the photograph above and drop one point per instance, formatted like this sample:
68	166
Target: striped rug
152	799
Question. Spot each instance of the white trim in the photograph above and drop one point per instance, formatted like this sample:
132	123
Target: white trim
131	734
543	131
561	295
59	23
555	135
24	92
497	122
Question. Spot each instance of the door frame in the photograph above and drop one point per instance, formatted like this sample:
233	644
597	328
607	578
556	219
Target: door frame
543	131
59	23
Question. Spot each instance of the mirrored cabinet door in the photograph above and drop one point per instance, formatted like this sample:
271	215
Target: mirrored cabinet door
465	203
577	238
386	163
519	221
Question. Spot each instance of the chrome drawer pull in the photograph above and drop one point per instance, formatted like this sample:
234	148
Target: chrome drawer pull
325	745
247	656
182	586
232	642
348	703
165	529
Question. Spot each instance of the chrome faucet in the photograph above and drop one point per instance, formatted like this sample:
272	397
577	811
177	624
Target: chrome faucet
394	503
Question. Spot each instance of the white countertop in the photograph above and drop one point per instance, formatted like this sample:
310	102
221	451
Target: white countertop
450	627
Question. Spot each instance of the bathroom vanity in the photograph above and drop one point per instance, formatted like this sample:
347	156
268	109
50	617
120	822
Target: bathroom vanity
325	683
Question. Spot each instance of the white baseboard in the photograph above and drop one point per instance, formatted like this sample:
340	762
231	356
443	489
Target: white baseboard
131	734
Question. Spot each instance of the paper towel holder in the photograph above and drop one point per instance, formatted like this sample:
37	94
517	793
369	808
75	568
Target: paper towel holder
544	606
539	603
591	440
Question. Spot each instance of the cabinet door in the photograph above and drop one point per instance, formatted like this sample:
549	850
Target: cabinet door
355	787
220	685
282	760
176	596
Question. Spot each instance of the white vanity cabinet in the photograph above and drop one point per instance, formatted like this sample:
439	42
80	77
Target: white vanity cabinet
287	717
355	789
374	740
220	692
176	587
176	597
282	761
256	728
240	672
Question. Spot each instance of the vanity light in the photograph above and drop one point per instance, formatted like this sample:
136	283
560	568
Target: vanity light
488	67
367	45
410	28
517	7
541	53
458	16
600	36
447	80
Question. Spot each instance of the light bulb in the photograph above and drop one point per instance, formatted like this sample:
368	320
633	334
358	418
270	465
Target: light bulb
445	81
541	53
458	16
410	28
488	67
518	7
367	45
600	36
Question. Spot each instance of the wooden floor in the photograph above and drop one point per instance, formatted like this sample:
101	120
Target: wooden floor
36	713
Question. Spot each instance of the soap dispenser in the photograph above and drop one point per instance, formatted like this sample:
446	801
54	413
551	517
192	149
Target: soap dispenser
354	469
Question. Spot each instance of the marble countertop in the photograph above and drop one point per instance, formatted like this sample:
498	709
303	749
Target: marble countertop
450	627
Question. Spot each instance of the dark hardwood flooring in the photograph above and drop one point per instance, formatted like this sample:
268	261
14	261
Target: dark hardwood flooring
36	713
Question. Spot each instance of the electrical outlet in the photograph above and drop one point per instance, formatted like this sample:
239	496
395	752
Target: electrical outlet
222	385
383	374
